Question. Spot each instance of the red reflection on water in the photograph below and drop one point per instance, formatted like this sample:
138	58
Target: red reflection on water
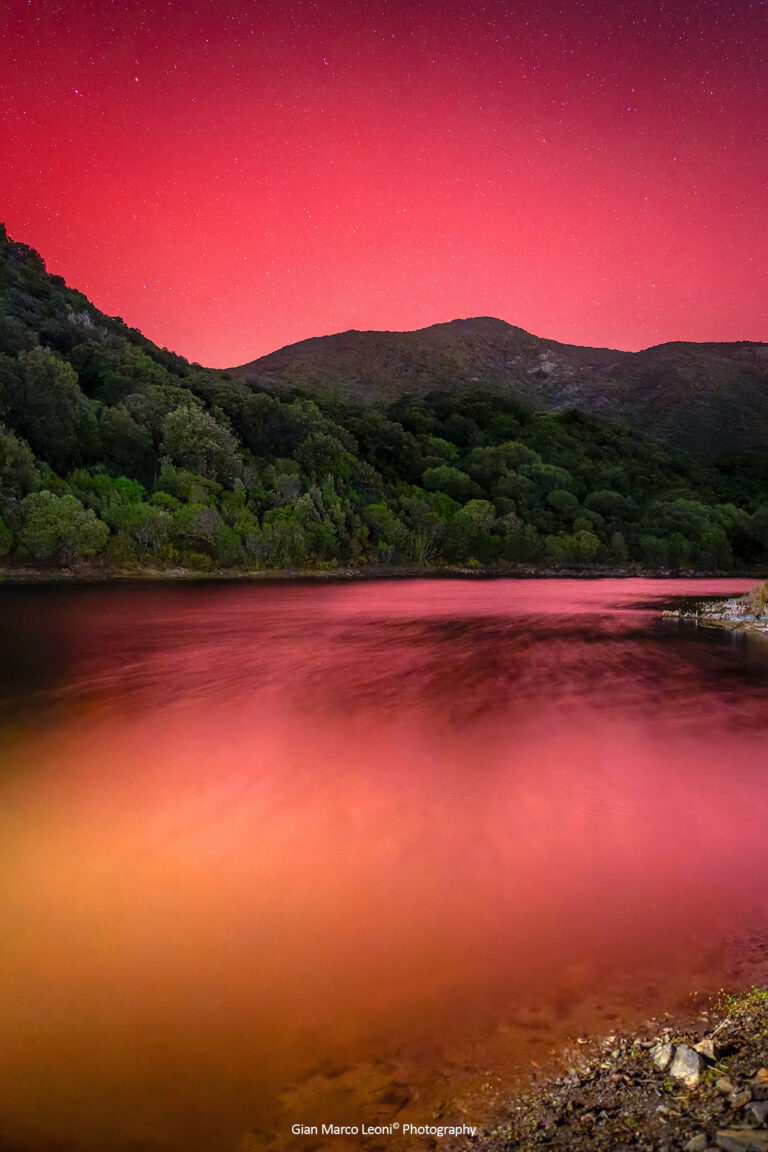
261	829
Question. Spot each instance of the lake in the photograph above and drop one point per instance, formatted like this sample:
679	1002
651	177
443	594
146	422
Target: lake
275	854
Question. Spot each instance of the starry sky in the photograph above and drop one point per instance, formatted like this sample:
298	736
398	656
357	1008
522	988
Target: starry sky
232	176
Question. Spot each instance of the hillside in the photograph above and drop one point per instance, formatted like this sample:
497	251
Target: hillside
120	454
708	396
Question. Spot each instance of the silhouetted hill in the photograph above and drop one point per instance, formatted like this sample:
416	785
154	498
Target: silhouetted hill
710	396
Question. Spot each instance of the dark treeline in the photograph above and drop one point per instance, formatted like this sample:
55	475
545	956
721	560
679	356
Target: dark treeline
114	449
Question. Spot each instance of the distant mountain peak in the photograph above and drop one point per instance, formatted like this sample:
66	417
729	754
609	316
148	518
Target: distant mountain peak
713	395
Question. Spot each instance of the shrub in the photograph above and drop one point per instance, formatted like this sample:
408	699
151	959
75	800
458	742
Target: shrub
60	528
758	598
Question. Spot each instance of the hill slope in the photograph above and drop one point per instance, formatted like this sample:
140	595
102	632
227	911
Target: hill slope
119	453
707	396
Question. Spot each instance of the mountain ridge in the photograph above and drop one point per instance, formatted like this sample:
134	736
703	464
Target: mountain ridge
116	452
712	395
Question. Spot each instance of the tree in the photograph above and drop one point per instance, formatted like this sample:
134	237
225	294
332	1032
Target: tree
452	481
197	442
611	505
60	528
487	466
48	408
126	445
227	546
197	524
520	541
757	526
469	533
389	532
324	453
563	502
18	474
428	514
579	548
15	337
282	540
619	549
149	526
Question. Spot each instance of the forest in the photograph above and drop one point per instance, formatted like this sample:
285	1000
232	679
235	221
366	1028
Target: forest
120	454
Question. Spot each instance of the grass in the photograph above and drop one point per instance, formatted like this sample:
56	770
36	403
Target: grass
732	1004
758	598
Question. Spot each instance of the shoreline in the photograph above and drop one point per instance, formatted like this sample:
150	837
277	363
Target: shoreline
695	1086
738	614
99	574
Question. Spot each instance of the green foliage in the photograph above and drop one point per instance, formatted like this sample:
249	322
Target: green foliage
452	481
196	442
563	502
47	407
18	474
579	548
757	525
610	505
60	528
111	446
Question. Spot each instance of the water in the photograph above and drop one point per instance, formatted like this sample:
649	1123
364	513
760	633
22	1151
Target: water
357	853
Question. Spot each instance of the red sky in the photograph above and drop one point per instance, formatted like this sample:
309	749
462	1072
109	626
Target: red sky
232	176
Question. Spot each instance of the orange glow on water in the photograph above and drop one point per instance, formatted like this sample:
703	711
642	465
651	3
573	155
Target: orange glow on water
247	831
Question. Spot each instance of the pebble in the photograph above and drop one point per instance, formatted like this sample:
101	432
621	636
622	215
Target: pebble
706	1048
739	1098
742	1140
725	1085
686	1066
760	1078
757	1113
697	1144
662	1054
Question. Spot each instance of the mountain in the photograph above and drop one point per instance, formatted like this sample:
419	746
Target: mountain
120	454
711	396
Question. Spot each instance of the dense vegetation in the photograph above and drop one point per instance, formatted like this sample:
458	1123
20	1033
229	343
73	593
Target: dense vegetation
702	397
117	451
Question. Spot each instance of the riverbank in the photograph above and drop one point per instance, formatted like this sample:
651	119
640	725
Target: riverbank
100	573
747	613
695	1088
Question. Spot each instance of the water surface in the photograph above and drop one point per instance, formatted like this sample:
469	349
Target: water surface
356	852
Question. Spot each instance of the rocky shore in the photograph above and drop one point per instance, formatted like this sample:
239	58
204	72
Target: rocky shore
748	613
703	1089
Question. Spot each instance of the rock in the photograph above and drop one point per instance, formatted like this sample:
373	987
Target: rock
686	1066
662	1054
697	1143
725	1086
706	1048
741	1140
760	1078
739	1098
756	1113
